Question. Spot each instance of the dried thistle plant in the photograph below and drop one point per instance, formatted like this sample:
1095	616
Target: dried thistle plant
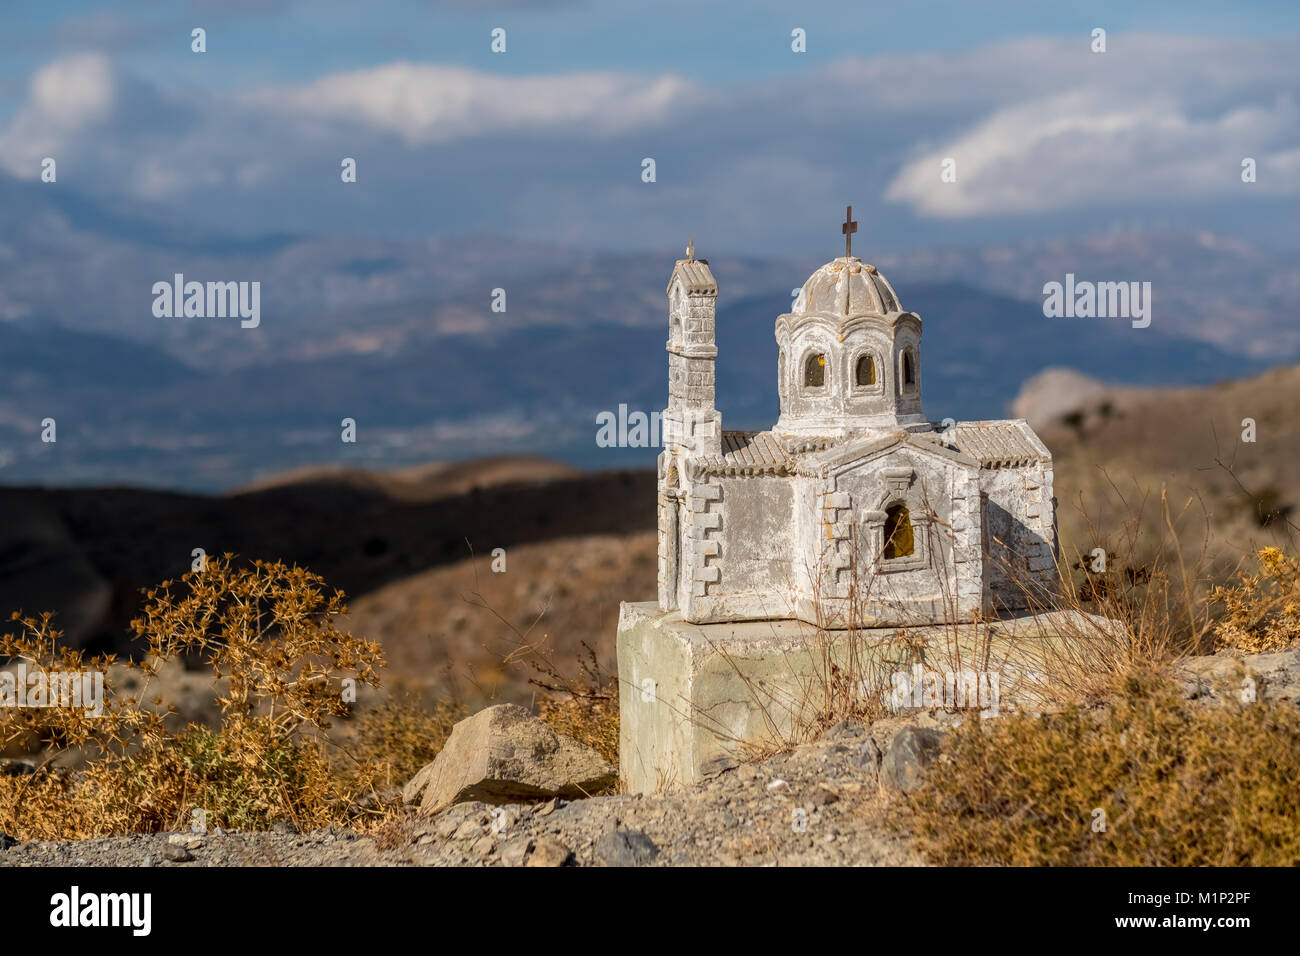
270	631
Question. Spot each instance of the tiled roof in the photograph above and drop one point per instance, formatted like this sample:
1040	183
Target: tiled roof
996	444
749	453
993	444
843	453
695	276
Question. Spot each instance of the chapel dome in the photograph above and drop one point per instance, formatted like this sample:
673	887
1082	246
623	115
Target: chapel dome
847	286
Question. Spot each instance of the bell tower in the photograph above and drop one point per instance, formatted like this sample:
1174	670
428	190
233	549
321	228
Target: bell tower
691	422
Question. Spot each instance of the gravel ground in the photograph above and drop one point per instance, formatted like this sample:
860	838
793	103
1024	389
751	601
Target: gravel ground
827	803
820	804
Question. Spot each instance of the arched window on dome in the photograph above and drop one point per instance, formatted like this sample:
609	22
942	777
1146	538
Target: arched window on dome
907	370
814	371
898	532
864	371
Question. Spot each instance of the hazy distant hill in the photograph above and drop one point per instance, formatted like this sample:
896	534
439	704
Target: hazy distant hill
399	542
400	336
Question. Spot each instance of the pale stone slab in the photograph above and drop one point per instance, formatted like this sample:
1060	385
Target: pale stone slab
695	695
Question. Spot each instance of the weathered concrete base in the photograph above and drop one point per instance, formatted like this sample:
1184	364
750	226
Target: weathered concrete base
695	695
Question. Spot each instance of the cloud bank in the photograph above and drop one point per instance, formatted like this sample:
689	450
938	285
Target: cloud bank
1037	127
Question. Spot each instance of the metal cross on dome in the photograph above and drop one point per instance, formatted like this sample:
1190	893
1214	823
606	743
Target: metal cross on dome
849	228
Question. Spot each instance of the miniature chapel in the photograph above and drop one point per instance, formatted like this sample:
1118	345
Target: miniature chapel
853	509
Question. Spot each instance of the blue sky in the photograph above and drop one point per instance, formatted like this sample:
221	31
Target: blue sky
755	145
719	42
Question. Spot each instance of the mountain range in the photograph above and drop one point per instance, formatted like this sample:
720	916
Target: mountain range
401	337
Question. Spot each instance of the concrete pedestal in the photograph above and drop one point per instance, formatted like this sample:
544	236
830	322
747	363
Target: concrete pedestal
693	696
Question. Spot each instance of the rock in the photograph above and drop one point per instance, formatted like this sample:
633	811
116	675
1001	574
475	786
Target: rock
446	827
718	765
844	730
866	756
907	756
1272	676
468	830
506	755
548	851
483	846
623	847
460	822
6	841
176	854
515	851
822	795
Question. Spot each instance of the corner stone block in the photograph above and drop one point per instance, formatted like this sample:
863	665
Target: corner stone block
705	522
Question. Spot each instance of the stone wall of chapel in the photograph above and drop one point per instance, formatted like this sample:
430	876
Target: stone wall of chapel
839	534
1019	513
743	565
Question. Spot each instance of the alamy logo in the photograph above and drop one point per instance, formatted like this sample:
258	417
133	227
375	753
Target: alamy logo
951	690
71	689
637	429
74	909
621	430
1100	300
179	299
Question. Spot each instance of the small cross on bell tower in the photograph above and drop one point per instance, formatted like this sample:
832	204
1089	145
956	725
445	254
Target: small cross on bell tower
849	228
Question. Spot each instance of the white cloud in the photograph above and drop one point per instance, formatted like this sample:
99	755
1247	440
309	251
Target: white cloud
425	103
1037	126
65	97
1172	121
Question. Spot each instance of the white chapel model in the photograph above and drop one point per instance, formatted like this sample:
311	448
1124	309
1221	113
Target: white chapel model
853	510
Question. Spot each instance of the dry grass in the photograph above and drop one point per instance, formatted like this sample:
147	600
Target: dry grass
1134	596
1175	784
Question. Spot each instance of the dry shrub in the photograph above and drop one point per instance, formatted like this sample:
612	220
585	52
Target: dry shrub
394	740
400	736
1181	784
1134	597
269	629
584	706
589	718
1262	613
